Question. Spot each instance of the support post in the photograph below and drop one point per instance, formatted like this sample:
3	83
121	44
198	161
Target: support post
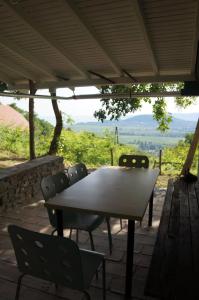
160	161
59	124
31	121
111	151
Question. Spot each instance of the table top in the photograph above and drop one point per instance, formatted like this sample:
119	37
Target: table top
110	191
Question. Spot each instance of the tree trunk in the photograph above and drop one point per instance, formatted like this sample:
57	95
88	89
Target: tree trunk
58	128
31	122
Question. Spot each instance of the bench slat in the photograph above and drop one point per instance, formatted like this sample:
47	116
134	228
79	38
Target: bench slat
174	269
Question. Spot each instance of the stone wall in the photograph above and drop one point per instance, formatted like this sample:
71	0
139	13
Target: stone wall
21	183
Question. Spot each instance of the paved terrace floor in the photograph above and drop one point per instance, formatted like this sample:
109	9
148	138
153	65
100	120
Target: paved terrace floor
34	216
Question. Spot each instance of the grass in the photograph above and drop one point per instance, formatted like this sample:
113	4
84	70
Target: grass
8	159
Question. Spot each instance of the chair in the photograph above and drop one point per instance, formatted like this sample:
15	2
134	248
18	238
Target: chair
73	175
55	259
133	161
61	181
81	170
51	185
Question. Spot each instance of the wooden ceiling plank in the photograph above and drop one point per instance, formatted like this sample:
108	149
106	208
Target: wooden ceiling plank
30	59
196	38
137	9
5	63
5	78
69	59
92	35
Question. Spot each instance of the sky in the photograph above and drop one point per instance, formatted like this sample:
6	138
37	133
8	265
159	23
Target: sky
82	110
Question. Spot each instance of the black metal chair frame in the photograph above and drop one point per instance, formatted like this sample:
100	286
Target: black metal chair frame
55	259
133	161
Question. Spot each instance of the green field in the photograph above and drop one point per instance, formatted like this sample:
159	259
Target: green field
160	140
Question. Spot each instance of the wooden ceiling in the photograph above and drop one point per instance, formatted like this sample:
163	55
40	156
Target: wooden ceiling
94	42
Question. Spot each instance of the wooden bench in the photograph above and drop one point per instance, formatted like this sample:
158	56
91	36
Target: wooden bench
174	269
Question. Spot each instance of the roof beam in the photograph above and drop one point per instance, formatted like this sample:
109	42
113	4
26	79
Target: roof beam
138	12
69	59
95	96
91	34
25	55
195	51
101	81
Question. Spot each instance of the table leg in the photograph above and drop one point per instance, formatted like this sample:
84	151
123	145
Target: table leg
59	216
129	258
150	210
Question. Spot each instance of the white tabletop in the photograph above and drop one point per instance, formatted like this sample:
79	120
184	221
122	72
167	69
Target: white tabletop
110	191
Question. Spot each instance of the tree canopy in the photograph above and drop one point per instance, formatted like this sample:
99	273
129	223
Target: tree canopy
114	109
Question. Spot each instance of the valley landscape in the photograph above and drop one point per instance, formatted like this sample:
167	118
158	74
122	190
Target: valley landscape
141	130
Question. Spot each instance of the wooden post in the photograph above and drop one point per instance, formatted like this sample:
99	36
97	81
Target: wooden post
59	124
116	136
111	151
31	121
160	161
192	150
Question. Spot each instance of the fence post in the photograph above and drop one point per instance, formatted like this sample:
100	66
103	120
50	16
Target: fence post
111	151
160	161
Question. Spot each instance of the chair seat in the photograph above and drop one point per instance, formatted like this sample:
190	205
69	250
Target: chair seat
82	221
90	263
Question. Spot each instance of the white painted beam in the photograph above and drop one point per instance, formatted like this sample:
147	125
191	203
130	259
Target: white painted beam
138	12
94	96
92	35
68	58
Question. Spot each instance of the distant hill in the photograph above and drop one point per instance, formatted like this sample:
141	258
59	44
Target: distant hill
187	116
12	118
143	121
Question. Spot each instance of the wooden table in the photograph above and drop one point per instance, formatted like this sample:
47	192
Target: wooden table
112	192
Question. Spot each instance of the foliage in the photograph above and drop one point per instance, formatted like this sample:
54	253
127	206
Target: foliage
116	108
176	156
89	148
3	86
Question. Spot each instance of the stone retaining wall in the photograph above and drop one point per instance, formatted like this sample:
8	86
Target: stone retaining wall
21	183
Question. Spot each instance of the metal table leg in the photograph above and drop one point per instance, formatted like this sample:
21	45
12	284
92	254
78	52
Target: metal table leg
59	216
150	210
129	258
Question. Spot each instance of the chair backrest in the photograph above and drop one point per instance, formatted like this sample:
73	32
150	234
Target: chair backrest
48	257
73	175
48	187
61	181
134	161
49	191
81	170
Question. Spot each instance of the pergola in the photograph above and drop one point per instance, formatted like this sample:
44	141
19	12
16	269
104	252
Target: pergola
72	43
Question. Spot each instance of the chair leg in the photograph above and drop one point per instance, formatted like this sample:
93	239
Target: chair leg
88	297
121	224
91	241
104	279
109	235
54	230
19	286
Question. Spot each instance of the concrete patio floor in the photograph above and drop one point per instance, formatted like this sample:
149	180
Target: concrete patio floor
33	216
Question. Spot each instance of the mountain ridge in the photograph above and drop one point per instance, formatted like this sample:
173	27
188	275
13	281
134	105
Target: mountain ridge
145	119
